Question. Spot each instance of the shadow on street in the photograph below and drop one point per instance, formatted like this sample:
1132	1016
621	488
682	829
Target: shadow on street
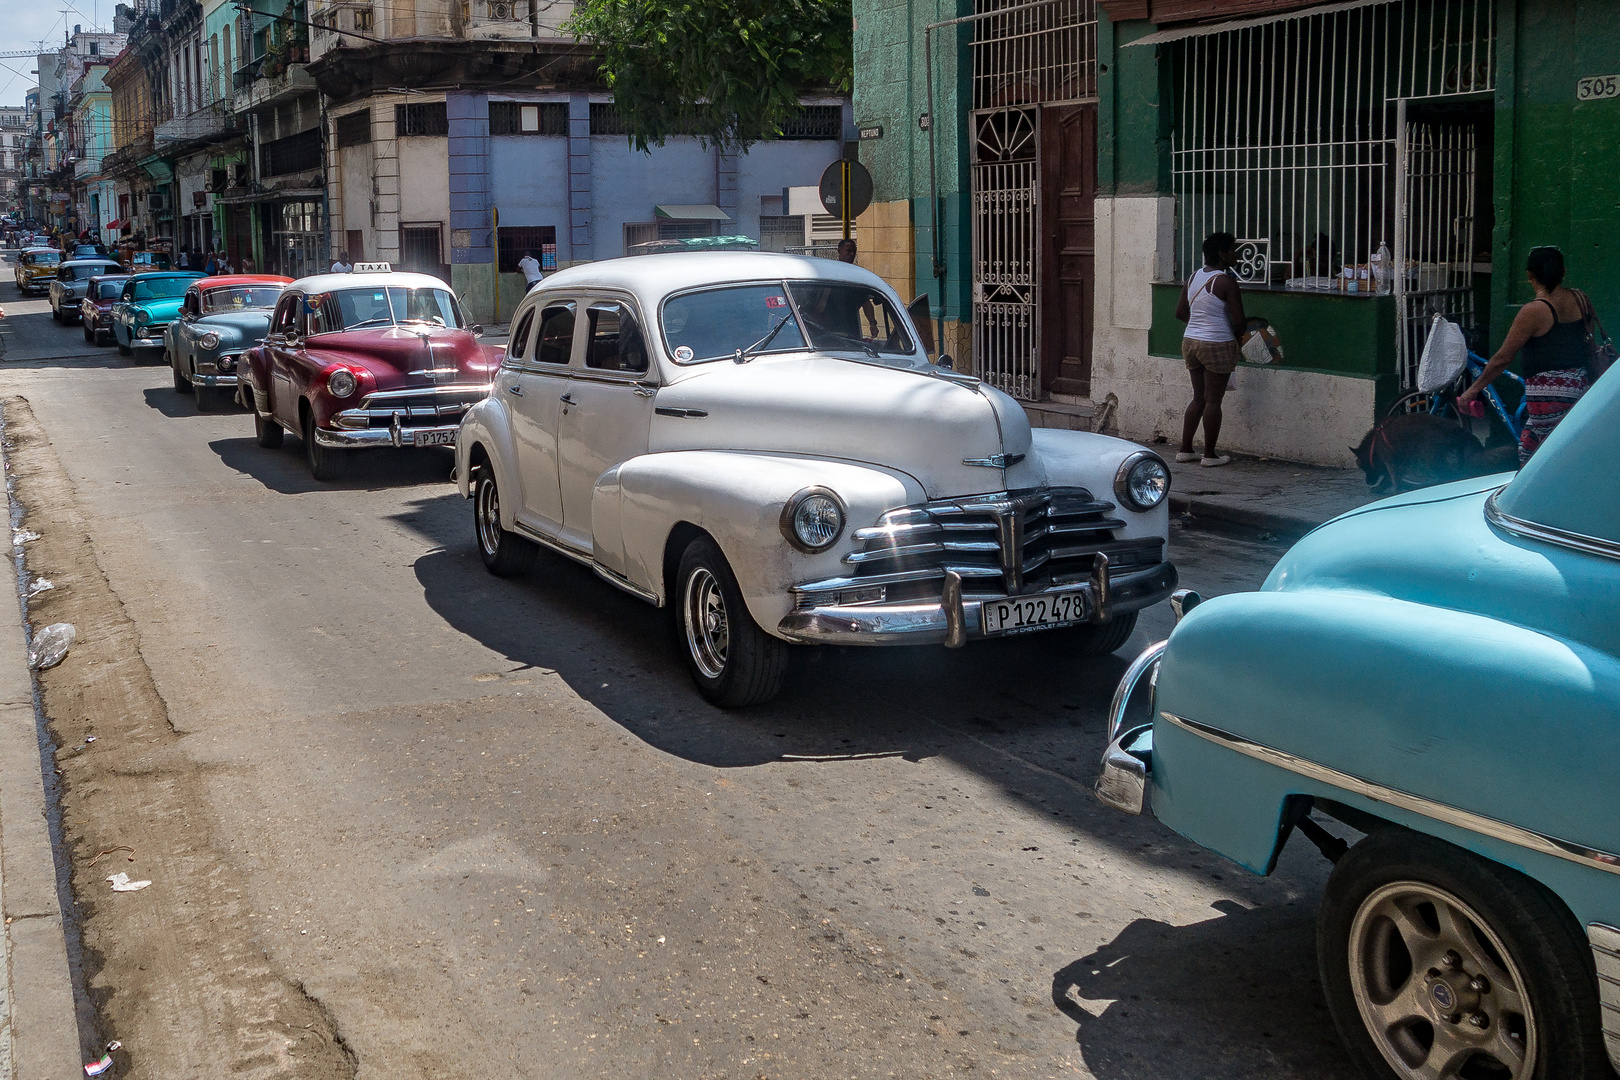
284	469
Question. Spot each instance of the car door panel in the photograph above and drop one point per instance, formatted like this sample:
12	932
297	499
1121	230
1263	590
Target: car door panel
606	419
536	407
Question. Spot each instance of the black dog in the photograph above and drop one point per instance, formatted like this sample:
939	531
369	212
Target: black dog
1415	450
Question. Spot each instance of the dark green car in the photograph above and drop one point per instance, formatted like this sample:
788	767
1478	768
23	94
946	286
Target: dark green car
149	303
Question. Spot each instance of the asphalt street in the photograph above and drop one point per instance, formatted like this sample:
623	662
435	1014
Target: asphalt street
404	819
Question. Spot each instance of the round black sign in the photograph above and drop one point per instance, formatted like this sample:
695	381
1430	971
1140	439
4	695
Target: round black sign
860	189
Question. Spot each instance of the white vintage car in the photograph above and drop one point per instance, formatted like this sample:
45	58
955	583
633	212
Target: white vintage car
760	442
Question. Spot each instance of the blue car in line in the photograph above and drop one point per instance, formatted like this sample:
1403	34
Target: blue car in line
1439	673
148	304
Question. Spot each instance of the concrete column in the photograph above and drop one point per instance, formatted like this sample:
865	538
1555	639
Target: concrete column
579	179
384	184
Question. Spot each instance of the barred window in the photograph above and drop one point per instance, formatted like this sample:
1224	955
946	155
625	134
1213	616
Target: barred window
514	240
364	21
354	129
295	153
607	119
525	118
426	118
816	122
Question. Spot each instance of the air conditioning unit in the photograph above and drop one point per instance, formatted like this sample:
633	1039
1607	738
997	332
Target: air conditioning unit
157	200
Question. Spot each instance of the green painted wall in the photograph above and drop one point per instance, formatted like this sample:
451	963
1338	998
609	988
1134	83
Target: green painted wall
1133	130
891	90
1557	168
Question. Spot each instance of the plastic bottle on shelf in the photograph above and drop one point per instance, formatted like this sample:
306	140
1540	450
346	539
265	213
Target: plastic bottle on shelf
1382	268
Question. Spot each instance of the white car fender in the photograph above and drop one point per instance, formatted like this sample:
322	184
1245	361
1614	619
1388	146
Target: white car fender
486	427
1084	459
737	498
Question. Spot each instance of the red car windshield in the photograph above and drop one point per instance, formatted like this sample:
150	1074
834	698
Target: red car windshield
240	298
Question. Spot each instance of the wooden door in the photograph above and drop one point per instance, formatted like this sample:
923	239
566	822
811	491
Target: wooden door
1069	233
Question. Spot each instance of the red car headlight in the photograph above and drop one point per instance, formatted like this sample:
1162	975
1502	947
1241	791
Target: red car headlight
342	382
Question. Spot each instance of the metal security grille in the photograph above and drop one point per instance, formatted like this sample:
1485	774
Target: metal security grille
295	153
1006	251
1435	235
1288	134
1024	55
1034	52
353	129
523	118
424	118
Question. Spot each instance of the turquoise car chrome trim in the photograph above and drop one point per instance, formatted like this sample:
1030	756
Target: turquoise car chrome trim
1591	545
1450	815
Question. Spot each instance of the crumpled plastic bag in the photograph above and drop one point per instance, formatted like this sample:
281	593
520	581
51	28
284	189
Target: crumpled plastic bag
121	883
51	644
1445	354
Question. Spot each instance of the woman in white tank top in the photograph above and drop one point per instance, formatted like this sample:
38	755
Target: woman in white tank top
1212	308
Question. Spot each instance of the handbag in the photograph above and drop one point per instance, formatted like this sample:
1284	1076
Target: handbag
1601	347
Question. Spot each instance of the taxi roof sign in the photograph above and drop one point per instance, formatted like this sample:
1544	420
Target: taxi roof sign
374	268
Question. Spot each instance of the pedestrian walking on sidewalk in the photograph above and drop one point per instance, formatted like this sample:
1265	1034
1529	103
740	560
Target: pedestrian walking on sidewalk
1554	333
1212	308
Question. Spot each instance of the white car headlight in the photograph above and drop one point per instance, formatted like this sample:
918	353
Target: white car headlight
209	340
813	520
1143	481
341	382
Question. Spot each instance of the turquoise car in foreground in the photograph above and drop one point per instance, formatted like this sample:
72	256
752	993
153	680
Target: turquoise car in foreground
146	307
1439	672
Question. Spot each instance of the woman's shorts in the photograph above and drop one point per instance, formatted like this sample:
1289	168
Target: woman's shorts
1220	357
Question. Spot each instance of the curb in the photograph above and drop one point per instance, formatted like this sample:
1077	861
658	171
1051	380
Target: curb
1292	526
43	1030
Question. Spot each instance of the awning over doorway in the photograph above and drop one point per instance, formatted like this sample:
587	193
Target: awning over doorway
1181	33
692	212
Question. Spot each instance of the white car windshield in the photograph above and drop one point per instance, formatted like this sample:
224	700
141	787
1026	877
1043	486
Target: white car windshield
382	305
767	317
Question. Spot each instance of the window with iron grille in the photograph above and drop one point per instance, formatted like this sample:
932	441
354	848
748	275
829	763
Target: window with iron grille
353	129
514	240
606	119
1286	132
363	20
528	118
816	122
424	118
1324	140
295	153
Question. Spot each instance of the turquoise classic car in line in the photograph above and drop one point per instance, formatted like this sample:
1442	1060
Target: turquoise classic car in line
1440	672
148	304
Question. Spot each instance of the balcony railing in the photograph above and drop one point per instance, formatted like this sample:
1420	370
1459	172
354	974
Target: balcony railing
207	122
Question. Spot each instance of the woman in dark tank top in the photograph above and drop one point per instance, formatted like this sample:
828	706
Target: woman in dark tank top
1552	333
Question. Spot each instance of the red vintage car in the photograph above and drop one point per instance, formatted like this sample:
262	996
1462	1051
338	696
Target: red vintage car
365	360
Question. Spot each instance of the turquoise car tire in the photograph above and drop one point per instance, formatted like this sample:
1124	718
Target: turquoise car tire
1546	953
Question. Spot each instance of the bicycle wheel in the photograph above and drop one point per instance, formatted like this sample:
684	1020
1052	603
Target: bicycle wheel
1425	401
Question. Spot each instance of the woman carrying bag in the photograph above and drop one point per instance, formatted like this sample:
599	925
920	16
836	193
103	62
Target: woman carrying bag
1563	345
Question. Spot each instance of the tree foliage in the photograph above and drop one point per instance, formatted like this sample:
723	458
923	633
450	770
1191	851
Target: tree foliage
727	71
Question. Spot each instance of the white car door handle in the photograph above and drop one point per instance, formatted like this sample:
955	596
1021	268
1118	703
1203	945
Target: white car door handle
515	390
567	399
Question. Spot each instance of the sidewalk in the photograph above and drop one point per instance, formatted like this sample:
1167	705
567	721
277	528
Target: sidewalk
39	1035
1275	496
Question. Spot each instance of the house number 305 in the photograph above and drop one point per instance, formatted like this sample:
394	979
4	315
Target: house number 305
1596	87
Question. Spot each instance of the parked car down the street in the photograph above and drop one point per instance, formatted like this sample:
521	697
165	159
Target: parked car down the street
35	268
760	442
68	286
220	318
145	308
363	360
1441	672
95	309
